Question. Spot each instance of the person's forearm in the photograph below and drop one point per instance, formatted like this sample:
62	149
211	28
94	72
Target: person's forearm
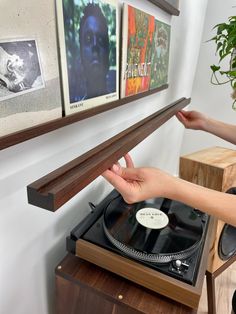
219	204
223	130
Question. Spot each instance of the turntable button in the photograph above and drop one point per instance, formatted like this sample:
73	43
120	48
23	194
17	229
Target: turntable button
178	263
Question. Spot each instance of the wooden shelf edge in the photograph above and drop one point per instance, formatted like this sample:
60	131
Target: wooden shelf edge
55	189
43	128
167	7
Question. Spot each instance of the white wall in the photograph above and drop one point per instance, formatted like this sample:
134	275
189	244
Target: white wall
214	101
32	240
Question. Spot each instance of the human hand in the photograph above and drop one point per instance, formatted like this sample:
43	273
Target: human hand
137	184
192	119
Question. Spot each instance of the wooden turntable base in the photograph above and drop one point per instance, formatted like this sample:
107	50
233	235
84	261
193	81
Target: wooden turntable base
84	288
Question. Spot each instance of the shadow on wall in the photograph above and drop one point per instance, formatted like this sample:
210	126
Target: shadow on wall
68	219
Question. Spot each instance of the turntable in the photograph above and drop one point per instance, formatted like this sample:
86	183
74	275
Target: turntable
160	244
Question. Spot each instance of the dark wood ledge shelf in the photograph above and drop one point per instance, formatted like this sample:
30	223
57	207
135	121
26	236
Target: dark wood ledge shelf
164	5
55	189
29	133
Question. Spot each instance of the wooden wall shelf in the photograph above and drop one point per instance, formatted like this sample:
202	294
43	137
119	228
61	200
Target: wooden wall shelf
56	188
166	6
29	133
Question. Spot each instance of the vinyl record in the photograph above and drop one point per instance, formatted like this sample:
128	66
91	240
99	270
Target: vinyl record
157	230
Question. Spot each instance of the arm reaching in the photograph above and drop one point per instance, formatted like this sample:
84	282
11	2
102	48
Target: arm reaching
197	121
136	184
192	120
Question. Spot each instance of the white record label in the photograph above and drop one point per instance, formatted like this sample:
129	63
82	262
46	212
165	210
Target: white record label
152	218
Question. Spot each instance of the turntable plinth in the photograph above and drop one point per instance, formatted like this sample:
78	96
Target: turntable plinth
84	288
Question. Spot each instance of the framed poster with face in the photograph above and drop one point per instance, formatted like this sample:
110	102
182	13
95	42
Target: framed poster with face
89	41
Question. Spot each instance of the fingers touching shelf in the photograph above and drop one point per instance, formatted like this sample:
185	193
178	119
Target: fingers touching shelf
55	189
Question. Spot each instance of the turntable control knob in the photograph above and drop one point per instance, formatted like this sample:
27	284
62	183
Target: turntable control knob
178	263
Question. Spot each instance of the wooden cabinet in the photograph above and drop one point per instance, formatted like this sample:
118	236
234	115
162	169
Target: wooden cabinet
84	288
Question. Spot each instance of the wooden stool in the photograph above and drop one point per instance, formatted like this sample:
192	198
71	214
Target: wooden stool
83	288
214	168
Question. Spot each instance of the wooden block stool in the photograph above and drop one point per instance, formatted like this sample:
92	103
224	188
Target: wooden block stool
214	168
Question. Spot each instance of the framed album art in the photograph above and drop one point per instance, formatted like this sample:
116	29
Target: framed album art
20	68
138	31
30	91
160	55
89	41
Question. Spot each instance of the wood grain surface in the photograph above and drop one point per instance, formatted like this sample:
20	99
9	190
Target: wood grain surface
84	288
214	168
43	128
55	189
145	276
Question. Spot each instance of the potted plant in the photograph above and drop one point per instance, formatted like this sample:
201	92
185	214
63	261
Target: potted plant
225	41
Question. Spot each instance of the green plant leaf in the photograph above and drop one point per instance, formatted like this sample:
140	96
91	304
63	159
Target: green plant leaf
231	73
215	68
234	105
224	72
225	40
233	63
218	46
217	25
221	28
213	38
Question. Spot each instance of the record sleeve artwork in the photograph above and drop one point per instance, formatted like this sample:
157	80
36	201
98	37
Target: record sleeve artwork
160	55
89	40
29	75
21	77
20	69
145	52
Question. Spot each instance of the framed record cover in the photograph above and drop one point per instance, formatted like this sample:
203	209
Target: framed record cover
30	91
20	68
138	31
160	55
89	41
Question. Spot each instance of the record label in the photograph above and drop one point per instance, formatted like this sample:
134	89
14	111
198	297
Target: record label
152	218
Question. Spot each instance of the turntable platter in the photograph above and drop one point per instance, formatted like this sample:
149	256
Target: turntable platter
157	230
